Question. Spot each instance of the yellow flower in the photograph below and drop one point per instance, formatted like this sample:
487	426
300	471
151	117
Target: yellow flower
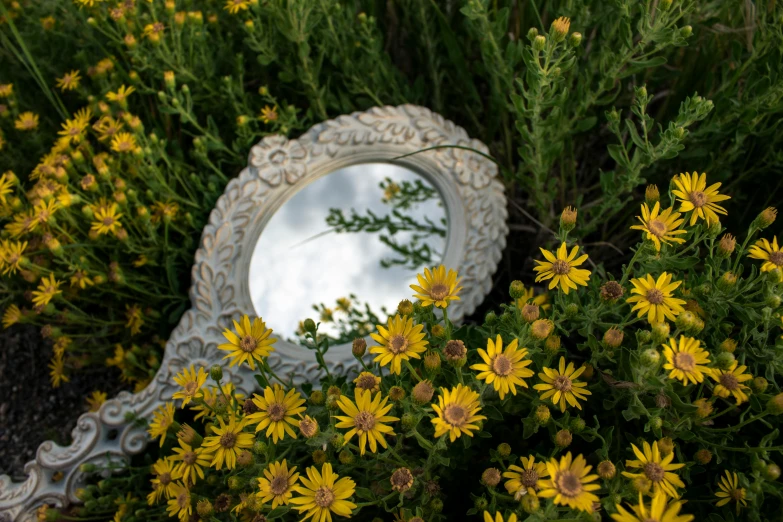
6	185
6	90
768	252
11	316
530	296
268	114
180	503
153	31
570	483
730	491
252	342
499	517
95	399
11	256
26	121
107	220
561	385
119	357
162	419
227	443
44	210
163	481
164	211
69	81
73	130
525	480
399	341
191	462
437	287
135	318
654	298
323	494
457	411
277	484
57	371
655	468
660	226
694	195
504	369
123	142
81	279
366	418
729	382
277	412
191	382
46	291
561	269
235	6
214	398
685	359
367	381
121	96
659	511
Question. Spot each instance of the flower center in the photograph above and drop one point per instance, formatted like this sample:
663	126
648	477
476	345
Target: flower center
502	365
248	343
656	227
276	411
698	198
529	478
562	383
324	497
737	494
366	382
684	361
455	415
365	421
654	471
776	258
228	439
191	388
108	221
279	485
560	267
568	484
165	479
189	458
655	296
183	500
398	344
729	381
439	291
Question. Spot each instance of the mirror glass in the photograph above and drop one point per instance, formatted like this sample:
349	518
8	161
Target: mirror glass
344	249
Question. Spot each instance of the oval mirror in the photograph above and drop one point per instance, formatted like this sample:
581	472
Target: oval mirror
344	248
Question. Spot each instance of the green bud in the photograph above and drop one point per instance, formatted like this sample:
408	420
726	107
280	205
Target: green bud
491	318
436	505
772	471
530	504
236	482
759	384
346	457
643	336
516	289
775	404
259	447
656	422
539	42
577	424
571	310
724	360
686	31
87	467
216	372
309	325
532	33
337	441
650	357
575	39
480	503
317	398
773	301
504	450
408	421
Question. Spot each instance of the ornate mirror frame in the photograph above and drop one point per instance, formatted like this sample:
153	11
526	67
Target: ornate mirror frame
278	168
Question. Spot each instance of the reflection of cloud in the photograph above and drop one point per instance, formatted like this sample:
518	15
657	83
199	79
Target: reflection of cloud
288	274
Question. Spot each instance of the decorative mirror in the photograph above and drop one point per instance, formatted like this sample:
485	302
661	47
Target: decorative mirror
340	219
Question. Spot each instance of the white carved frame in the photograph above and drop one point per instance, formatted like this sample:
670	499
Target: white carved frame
278	167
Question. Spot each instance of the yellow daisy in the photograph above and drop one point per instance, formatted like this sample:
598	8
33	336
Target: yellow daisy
656	469
73	130
525	480
192	462
504	369
499	517
11	256
731	492
180	504
235	6
123	142
191	382
214	399
69	81
7	180
366	418
95	400
768	252
26	121
437	287
654	298
561	269
729	382
227	443
6	90
44	210
277	484
277	412
268	114
659	511
323	494
163	480
11	316
561	385
57	371
570	483
529	296
696	196
162	419
107	220
48	288
249	343
368	381
399	341
457	411
660	227
685	359
121	96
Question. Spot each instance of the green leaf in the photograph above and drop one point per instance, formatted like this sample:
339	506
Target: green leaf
261	380
586	124
493	413
617	152
278	512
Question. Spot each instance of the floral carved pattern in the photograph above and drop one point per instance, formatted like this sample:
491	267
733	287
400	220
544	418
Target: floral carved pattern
476	207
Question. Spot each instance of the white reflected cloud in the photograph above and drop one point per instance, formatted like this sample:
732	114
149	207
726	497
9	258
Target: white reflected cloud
298	262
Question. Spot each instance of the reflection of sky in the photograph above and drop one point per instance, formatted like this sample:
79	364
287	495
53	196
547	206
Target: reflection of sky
289	275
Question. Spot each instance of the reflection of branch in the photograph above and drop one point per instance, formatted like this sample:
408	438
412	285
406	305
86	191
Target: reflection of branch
350	317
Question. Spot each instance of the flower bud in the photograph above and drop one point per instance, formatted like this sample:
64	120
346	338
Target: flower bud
775	404
577	424
568	219
87	467
727	281
542	414
686	321
660	332
559	28
455	353
772	471
432	362
334	390
773	301
552	344
317	398
666	445
204	508
260	447
724	360
575	39
308	427
516	289
491	477
726	245
405	307
664	5
332	402
606	470
480	503
359	347
337	441
613	337
704	408
532	33
686	31
539	42
530	312
563	438
396	393
530	504
438	331
611	291
436	505
423	391
401	480
656	422
650	357
766	218
216	372
236	482
345	457
309	325
587	374
319	457
408	421
759	384
504	450
542	328
245	458
652	195
703	456
491	318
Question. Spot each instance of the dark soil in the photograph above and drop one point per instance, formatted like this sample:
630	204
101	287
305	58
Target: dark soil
31	411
